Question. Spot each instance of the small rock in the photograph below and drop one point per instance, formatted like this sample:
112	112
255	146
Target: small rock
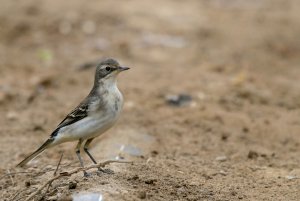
178	100
150	181
206	176
233	193
221	158
45	81
27	183
154	153
104	182
291	177
38	128
222	172
142	195
252	154
135	177
72	185
245	129
181	190
263	155
224	136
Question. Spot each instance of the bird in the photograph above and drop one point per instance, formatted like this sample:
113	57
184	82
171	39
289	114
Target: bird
97	113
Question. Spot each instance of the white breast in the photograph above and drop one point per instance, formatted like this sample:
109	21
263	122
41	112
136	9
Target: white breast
98	121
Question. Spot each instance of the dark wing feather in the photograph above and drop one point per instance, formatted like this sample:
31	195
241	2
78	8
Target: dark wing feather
77	114
80	112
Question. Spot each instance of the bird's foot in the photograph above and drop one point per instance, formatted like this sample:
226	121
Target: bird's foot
106	171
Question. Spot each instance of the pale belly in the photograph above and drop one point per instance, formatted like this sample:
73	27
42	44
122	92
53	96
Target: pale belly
91	126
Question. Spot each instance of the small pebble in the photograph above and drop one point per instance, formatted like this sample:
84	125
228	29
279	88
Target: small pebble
222	172
104	182
72	185
179	100
154	153
27	183
142	195
221	158
233	193
252	154
290	177
150	181
135	177
38	128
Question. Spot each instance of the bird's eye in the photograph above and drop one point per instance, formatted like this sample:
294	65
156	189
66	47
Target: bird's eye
107	68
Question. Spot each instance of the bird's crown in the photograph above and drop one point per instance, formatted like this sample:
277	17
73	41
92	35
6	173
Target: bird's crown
109	62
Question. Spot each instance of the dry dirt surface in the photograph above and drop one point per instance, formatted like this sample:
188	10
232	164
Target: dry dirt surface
234	136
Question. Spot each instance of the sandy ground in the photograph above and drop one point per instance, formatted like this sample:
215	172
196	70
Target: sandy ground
238	139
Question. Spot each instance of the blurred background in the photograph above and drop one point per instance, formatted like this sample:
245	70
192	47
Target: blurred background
211	100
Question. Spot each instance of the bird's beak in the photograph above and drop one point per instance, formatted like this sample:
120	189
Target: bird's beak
123	68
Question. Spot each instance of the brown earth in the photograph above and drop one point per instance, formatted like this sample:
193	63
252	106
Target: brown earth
238	139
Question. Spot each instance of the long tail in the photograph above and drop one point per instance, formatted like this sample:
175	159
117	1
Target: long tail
36	153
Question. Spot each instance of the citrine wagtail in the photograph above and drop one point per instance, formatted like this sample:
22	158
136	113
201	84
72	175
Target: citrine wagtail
93	116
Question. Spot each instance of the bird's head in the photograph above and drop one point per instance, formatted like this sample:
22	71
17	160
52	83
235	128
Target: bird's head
108	69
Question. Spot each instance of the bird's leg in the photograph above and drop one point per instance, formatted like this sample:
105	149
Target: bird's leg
86	149
85	174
